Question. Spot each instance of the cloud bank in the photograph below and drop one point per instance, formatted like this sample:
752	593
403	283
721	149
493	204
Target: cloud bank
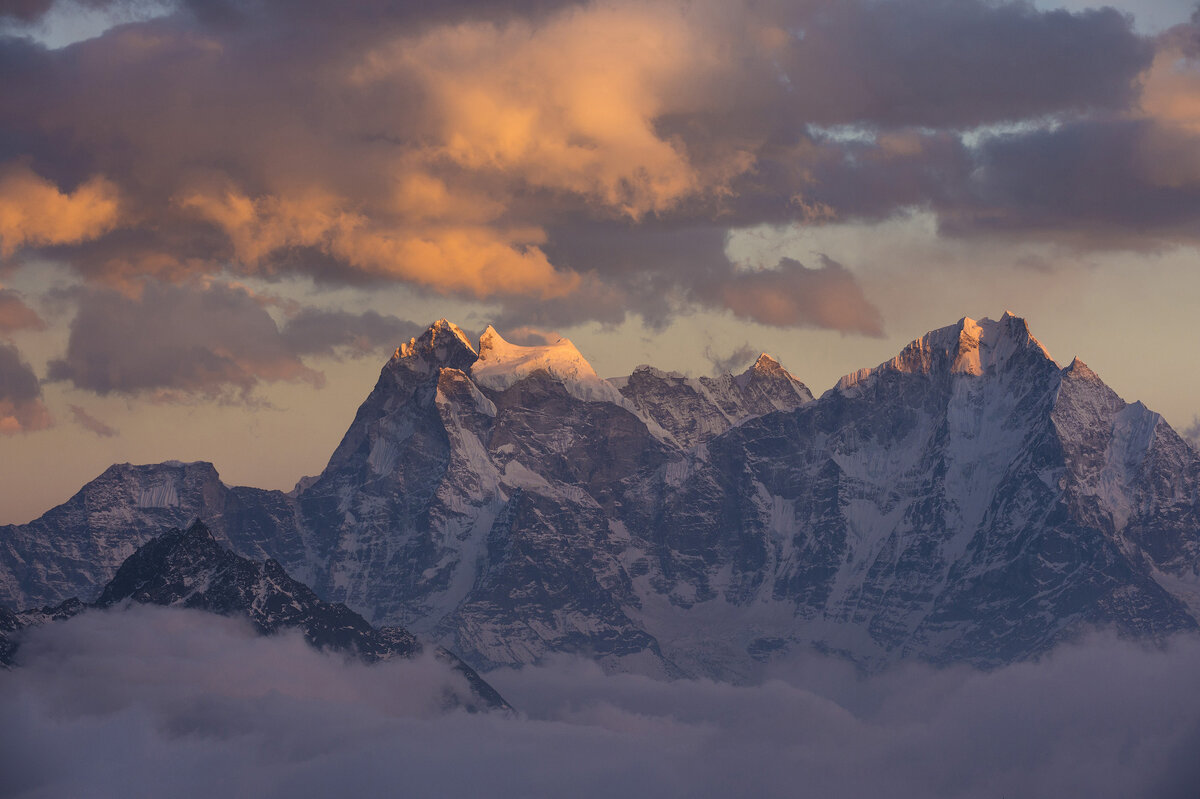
216	341
478	150
173	702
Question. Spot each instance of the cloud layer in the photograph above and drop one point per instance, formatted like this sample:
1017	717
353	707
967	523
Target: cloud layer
216	341
475	151
179	703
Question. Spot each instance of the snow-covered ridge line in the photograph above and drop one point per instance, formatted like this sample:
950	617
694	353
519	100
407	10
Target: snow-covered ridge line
967	347
502	364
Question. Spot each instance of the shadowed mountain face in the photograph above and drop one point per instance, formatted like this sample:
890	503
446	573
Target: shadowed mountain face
188	568
968	500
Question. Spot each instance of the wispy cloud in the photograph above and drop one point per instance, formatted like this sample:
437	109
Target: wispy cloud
727	364
91	423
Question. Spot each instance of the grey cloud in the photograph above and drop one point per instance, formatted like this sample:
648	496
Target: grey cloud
1192	433
18	383
946	63
315	331
656	271
1090	177
178	342
794	295
735	360
92	424
24	10
203	342
193	705
21	406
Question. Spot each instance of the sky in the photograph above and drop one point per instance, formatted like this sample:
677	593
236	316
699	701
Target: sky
156	701
218	218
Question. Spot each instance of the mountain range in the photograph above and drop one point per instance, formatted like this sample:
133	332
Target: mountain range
967	501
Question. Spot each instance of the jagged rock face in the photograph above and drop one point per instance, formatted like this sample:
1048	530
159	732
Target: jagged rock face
968	500
370	511
696	410
188	568
77	546
477	510
947	504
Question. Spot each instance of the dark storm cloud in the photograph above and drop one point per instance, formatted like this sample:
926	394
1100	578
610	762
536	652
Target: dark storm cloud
24	10
184	342
474	149
948	63
21	408
177	703
1105	181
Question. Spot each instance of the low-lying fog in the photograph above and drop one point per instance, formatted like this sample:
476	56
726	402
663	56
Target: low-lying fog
165	702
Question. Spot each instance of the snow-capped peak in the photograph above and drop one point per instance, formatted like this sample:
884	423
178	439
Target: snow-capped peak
968	347
502	364
765	367
766	363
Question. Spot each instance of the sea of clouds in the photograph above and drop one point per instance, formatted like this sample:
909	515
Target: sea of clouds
166	702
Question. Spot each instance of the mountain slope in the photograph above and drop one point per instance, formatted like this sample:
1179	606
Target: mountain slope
188	568
76	547
695	410
941	505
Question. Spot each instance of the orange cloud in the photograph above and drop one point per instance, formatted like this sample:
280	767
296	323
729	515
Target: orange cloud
1171	87
23	417
472	259
1170	152
33	212
570	104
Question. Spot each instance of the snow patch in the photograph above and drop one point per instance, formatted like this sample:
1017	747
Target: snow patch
501	365
161	495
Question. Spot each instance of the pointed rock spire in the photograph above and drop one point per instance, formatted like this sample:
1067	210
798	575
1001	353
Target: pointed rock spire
765	372
1080	370
442	344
